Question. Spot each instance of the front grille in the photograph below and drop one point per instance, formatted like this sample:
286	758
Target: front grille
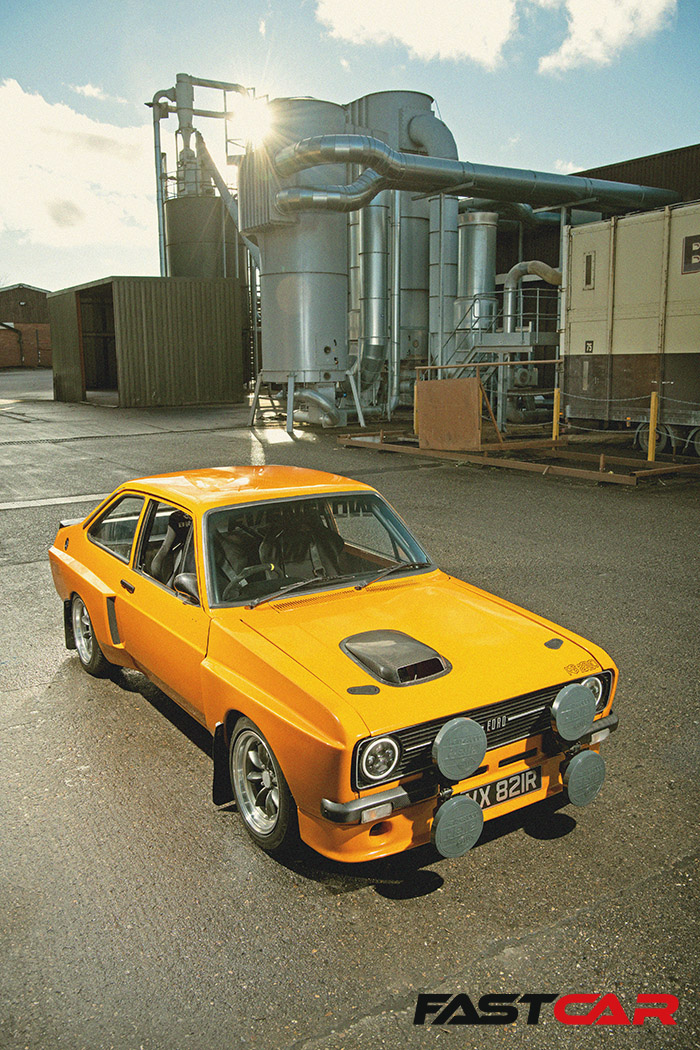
504	722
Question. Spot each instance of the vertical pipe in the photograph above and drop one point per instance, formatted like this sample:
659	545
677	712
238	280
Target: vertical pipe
442	271
653	420
555	414
612	251
476	274
395	350
563	264
663	297
374	253
160	206
441	283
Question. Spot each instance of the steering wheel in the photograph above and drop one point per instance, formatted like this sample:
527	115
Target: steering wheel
249	570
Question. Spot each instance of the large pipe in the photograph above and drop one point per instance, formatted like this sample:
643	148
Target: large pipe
394	394
160	111
426	130
476	273
513	279
408	171
229	202
374	248
510	209
331	415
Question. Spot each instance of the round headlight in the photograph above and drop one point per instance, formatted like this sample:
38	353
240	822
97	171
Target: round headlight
379	758
596	687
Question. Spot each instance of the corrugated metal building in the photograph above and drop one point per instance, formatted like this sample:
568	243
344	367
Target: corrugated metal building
155	341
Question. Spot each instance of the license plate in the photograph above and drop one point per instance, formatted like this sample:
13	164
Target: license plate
503	790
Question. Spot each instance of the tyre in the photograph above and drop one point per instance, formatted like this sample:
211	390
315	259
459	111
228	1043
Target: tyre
663	439
89	653
262	795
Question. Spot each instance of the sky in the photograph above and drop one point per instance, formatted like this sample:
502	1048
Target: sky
556	85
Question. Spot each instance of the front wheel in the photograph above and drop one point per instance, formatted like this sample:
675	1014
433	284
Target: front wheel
260	789
89	653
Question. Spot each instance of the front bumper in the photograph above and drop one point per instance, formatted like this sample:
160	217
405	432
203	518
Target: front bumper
382	804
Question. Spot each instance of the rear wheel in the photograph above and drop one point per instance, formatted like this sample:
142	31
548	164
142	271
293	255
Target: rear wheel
89	653
663	439
260	789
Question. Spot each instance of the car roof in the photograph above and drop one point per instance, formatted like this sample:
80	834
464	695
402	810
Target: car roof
223	486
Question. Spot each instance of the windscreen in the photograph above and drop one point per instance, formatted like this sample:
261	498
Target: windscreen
258	549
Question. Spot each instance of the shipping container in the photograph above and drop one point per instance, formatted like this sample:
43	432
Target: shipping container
632	323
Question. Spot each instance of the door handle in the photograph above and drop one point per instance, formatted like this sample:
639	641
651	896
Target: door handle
128	586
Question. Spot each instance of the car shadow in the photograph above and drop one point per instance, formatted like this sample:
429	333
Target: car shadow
135	682
402	876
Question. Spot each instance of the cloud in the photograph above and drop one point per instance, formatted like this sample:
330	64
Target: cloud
456	29
72	182
566	167
597	32
90	91
262	27
65	213
345	64
478	30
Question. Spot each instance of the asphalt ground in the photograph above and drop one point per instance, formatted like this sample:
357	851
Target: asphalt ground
137	915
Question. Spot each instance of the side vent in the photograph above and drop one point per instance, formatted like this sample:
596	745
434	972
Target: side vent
395	658
112	620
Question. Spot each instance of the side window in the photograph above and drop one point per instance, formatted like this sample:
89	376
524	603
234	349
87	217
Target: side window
115	529
167	547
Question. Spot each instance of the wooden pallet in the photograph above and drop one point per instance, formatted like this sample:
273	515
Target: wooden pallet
559	449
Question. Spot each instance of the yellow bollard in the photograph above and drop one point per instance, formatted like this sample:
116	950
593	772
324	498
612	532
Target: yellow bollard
555	416
653	420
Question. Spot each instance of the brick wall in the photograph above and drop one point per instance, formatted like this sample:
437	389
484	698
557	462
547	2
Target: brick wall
36	346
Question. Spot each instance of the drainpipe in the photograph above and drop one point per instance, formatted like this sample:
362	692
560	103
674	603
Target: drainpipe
513	279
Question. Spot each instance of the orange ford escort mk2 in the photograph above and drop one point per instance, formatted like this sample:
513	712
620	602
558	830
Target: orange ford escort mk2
358	696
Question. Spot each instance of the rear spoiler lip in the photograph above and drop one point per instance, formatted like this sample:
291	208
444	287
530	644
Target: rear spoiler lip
64	523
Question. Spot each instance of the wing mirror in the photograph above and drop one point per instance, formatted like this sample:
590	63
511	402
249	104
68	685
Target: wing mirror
185	584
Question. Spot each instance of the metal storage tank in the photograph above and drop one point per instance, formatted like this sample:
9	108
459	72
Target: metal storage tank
200	238
388	116
304	278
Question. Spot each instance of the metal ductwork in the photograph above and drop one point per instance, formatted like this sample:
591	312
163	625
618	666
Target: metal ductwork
519	212
513	279
229	202
476	274
374	261
408	171
330	416
426	130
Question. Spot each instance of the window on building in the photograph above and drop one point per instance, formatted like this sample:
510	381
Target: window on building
589	270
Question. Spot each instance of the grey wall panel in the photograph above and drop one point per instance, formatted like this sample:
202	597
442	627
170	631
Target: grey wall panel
179	341
67	367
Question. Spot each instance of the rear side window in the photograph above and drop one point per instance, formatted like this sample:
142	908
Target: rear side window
115	529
